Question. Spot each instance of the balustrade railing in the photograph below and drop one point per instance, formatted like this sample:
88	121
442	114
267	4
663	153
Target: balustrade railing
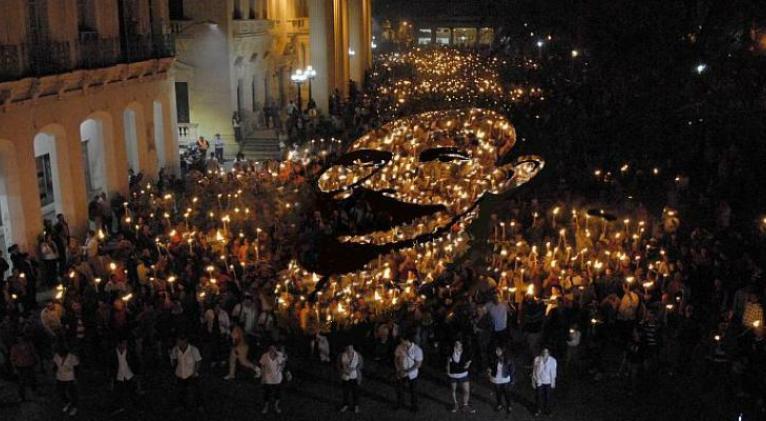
187	134
89	51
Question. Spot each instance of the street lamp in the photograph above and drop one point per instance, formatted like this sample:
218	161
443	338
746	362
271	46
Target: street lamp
298	78
540	44
310	74
701	68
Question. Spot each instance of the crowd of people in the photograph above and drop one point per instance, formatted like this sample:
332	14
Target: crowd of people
606	267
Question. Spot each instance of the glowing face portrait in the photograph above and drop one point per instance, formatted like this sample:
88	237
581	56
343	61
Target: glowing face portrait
430	170
414	186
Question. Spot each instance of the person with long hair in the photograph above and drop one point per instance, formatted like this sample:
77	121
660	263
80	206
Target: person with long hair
458	364
501	372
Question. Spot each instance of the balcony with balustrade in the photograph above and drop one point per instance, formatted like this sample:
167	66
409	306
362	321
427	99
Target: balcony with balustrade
89	51
187	135
245	28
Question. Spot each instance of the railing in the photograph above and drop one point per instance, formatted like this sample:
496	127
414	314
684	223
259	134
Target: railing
178	26
98	52
49	58
187	134
11	62
142	47
243	28
88	52
298	25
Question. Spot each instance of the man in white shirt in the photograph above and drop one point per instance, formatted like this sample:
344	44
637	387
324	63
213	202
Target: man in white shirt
66	363
544	380
246	314
350	366
186	360
408	358
123	366
272	364
218	144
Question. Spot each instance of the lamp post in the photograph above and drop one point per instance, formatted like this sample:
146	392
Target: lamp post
298	78
310	75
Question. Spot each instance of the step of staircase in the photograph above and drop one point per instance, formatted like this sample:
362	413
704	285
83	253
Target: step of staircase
261	145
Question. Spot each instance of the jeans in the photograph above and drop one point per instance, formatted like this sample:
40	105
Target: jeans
272	392
124	390
187	385
403	383
543	397
350	389
68	393
500	337
26	378
503	393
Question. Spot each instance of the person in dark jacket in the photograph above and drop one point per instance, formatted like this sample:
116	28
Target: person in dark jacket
501	372
24	264
123	368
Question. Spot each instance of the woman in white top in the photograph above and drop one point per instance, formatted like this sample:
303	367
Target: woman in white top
350	366
457	370
66	363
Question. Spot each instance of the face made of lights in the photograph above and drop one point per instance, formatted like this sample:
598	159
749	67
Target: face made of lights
433	167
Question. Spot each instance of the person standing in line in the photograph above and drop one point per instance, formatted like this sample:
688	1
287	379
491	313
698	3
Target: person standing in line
272	364
457	371
49	253
236	124
350	365
186	359
408	357
544	380
123	368
573	345
498	312
23	358
61	236
66	380
501	373
218	145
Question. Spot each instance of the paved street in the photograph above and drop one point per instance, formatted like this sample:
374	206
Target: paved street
315	394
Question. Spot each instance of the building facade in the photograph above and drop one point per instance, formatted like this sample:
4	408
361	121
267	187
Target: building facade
238	56
86	94
457	23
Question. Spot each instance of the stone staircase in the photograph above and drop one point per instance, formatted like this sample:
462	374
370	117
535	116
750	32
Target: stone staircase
261	145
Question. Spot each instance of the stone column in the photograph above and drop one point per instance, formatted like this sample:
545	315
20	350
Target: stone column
111	141
170	125
340	42
321	51
147	147
25	214
360	38
120	155
67	164
78	212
